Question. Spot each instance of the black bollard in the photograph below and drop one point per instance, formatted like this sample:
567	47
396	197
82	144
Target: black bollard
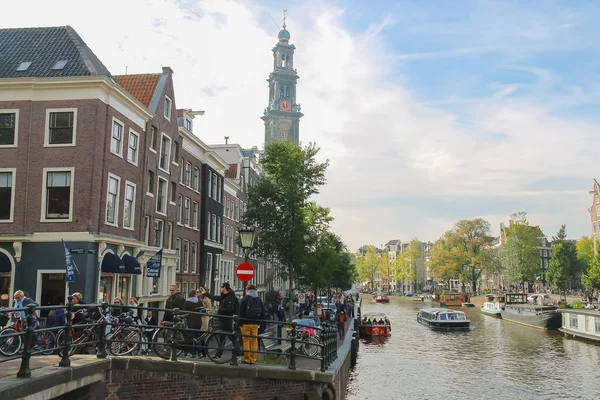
24	371
236	341
354	350
102	333
323	337
65	361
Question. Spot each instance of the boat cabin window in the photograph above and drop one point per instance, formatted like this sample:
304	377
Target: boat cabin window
443	317
597	322
574	321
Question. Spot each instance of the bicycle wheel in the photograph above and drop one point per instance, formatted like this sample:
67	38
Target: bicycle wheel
9	346
60	342
311	348
47	342
123	342
161	342
219	348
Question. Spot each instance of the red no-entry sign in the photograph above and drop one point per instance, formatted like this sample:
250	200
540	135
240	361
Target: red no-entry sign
245	272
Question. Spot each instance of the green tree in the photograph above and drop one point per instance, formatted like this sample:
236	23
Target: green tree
591	278
408	262
464	252
519	256
585	252
367	264
574	265
277	204
559	269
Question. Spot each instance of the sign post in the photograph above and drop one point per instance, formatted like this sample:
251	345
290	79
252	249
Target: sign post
301	298
244	272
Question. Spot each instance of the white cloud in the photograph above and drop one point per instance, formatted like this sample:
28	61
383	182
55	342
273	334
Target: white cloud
383	144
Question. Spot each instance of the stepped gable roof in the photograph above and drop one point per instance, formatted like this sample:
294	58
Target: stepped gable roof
47	52
232	171
141	86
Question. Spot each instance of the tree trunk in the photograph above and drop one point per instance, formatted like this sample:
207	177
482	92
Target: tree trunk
291	304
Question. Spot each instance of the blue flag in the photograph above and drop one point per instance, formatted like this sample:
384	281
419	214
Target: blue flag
153	265
69	265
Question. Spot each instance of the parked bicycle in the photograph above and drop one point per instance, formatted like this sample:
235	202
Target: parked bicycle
123	340
82	338
11	342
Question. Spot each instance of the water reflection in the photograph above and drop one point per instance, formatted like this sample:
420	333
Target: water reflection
495	359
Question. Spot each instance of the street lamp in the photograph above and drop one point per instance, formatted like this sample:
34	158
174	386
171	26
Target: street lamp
247	236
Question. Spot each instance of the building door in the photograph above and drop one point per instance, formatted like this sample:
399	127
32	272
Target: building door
51	289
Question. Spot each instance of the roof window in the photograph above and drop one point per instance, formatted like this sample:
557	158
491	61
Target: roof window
23	66
59	64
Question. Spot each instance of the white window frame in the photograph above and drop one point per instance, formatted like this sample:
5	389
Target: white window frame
209	183
166	198
137	149
170	111
186	256
112	127
47	127
116	219
219	189
16	112
187	206
168	146
196	179
13	171
162	236
181	171
134	186
178	252
188	173
208	219
193	256
179	210
45	194
213	227
195	212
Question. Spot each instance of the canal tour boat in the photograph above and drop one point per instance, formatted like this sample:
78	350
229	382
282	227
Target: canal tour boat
442	319
542	316
449	299
370	325
581	323
493	306
380	298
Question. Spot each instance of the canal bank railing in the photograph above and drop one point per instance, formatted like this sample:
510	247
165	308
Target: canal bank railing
113	329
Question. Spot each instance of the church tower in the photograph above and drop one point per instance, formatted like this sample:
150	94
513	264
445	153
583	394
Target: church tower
282	116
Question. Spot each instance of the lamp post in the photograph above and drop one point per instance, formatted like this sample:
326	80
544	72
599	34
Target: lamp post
247	236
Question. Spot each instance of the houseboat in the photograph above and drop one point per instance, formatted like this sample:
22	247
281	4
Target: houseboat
581	323
451	299
442	319
493	306
374	324
542	316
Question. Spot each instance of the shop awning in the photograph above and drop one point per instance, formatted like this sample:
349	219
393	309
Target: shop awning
111	263
132	265
5	265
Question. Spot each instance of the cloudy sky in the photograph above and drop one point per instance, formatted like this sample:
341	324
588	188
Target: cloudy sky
429	112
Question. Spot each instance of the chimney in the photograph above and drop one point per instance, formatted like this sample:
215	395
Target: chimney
226	139
167	70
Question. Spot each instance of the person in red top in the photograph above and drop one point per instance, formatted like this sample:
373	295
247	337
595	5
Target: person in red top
340	321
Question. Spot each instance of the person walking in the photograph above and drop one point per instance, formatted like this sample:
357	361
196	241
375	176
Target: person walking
207	310
150	326
252	310
194	321
340	321
175	300
228	307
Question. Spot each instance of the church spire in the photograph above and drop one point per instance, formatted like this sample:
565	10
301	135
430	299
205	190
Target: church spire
282	115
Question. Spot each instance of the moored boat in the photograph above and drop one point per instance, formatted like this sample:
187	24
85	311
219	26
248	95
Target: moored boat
418	298
382	299
442	319
375	324
468	305
450	299
581	323
542	316
493	306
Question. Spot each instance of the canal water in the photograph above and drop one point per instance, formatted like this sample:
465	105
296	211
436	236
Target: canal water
496	359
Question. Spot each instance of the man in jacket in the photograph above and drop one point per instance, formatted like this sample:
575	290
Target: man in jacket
175	300
194	321
228	306
252	310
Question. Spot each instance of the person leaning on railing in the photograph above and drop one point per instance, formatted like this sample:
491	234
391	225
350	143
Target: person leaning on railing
228	306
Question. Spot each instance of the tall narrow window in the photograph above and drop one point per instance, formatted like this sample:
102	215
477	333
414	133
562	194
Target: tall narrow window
173	192
58	195
178	252
167	110
186	254
218	237
213	228
179	208
8	128
209	183
219	189
181	171
188	174
214	186
195	216
150	182
116	140
196	175
165	153
153	137
208	219
159	227
161	201
112	200
132	152
6	196
129	206
193	257
187	211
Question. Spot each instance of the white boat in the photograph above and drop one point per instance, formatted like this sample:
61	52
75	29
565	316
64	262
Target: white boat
493	306
581	323
442	319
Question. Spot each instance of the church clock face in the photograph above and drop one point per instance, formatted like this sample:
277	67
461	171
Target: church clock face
284	105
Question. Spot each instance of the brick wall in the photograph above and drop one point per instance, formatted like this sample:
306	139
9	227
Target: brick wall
149	385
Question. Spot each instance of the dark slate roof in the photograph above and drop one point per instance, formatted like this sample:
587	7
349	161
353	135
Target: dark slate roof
43	47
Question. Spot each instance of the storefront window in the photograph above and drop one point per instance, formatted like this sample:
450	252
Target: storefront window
107	286
123	289
5	295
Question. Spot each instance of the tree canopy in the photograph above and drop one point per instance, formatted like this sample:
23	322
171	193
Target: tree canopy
519	257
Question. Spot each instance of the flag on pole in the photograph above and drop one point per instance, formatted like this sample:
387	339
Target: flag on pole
69	265
153	265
